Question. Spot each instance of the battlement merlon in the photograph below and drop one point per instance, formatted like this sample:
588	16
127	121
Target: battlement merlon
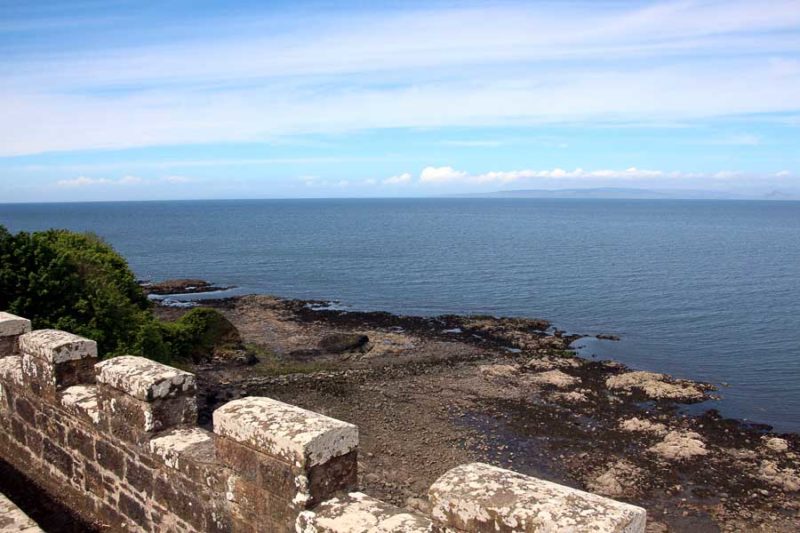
11	327
54	360
311	455
139	397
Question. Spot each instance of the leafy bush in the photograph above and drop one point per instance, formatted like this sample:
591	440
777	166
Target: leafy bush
199	333
77	282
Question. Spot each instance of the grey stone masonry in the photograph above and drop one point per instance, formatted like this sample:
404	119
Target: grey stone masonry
477	498
144	379
11	327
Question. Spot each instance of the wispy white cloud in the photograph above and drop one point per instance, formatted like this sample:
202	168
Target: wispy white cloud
85	181
444	175
400	179
417	67
177	179
447	175
441	175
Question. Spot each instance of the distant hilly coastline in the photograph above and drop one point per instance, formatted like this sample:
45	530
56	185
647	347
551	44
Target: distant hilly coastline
631	194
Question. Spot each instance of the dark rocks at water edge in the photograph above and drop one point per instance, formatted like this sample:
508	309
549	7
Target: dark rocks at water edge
180	286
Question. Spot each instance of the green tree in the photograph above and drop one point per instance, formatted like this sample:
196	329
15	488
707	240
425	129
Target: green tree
79	283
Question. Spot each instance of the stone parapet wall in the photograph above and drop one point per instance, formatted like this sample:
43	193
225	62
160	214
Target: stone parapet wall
117	441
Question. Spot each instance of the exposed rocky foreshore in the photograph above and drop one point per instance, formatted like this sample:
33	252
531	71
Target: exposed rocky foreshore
431	393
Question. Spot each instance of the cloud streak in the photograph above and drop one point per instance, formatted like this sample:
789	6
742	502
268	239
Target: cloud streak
441	66
447	175
85	181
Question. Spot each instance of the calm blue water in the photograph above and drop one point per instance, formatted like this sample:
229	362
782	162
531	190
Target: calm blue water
702	289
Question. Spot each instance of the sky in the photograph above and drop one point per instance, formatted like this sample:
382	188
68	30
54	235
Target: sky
116	100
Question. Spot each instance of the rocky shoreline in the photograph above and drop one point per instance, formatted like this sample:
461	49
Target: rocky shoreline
431	393
174	287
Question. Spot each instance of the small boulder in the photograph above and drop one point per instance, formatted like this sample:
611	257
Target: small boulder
658	386
554	378
784	478
776	444
678	445
501	373
570	397
540	364
643	425
620	479
344	342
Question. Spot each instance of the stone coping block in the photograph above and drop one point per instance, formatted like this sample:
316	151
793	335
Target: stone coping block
144	379
193	444
359	513
56	346
82	401
300	437
478	497
11	325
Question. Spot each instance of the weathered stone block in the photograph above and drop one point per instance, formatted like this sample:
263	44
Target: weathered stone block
144	379
257	505
262	470
35	441
139	476
300	437
81	441
95	482
25	411
110	457
136	421
81	400
11	327
179	499
358	513
18	431
134	510
340	473
54	455
52	427
477	498
56	346
192	452
53	360
10	376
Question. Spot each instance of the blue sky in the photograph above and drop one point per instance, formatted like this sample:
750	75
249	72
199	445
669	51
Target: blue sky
172	100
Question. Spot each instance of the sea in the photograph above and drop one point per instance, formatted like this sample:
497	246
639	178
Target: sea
707	290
